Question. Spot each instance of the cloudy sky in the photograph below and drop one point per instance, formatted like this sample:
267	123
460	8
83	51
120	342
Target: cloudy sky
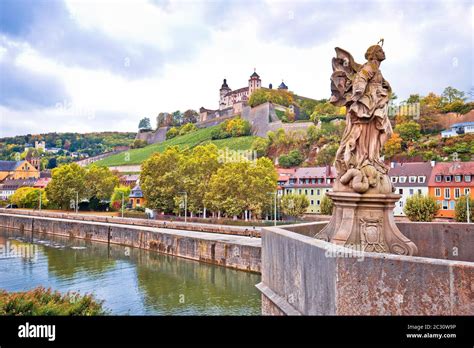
95	65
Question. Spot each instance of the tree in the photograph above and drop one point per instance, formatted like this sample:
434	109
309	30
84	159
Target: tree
52	163
413	98
275	96
260	146
160	179
67	181
100	182
293	159
409	131
190	116
393	145
421	208
294	205
327	155
28	197
460	209
116	198
144	124
326	205
451	95
196	171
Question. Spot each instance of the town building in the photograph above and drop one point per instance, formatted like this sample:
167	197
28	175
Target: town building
136	197
313	182
448	182
129	180
458	129
8	187
409	179
11	170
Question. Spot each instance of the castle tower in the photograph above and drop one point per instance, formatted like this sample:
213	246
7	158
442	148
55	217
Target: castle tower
222	92
254	82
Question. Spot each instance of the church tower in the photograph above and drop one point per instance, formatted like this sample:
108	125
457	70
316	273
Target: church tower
254	82
222	92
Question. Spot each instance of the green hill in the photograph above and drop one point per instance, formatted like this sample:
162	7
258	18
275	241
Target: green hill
199	137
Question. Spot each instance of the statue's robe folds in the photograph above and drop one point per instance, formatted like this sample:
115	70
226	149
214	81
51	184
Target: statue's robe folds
368	126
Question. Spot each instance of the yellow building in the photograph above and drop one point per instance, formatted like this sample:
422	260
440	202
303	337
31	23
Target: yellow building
12	170
136	198
313	182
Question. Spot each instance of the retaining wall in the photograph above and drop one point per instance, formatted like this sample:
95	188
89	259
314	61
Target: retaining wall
238	252
305	276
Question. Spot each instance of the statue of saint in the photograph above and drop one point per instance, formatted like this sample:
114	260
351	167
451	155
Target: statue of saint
365	94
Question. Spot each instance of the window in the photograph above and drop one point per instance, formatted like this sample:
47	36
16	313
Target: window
394	179
312	192
457	178
451	204
447	193
313	181
438	178
411	192
299	191
437	192
444	205
312	202
400	191
467	191
138	201
419	191
306	192
421	179
401	204
403	179
328	181
318	192
320	181
412	179
467	178
318	202
457	193
447	178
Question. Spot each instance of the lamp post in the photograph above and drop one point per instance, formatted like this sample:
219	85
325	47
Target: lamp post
274	206
185	204
122	202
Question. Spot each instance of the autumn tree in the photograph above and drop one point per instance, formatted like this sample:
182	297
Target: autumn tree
393	145
67	182
420	208
160	179
100	182
29	197
294	205
144	124
409	131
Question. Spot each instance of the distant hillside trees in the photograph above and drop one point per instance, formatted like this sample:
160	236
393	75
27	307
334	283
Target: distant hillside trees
276	96
176	119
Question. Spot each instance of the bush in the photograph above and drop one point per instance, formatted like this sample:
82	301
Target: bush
236	127
187	128
41	301
173	132
420	208
138	144
460	209
326	205
294	205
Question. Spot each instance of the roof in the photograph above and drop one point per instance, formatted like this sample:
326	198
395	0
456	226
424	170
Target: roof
316	172
254	75
452	168
462	124
243	89
7	166
411	169
136	192
42	182
17	183
282	86
130	177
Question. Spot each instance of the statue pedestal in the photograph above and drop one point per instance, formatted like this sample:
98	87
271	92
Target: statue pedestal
366	221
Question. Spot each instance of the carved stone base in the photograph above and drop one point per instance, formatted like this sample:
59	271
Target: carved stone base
366	221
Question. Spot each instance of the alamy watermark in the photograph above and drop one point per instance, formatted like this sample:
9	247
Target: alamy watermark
227	156
346	251
12	250
405	109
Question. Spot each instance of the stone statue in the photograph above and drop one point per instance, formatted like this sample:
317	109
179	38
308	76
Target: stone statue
363	195
365	94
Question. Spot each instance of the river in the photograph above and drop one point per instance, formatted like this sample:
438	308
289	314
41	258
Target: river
130	281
